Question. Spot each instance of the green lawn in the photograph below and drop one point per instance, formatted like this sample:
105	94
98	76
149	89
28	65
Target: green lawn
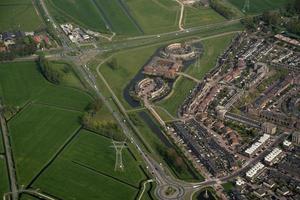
199	16
181	89
4	186
18	15
85	170
83	13
258	6
155	16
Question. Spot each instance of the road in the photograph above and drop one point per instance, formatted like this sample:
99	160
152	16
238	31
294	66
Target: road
9	157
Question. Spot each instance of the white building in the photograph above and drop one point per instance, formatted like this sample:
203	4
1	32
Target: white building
255	170
274	156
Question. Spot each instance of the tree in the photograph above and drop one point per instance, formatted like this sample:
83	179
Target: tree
271	18
113	64
249	23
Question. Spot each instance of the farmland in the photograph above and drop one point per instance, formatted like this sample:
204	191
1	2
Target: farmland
155	16
199	16
87	163
257	6
54	111
96	15
76	11
18	14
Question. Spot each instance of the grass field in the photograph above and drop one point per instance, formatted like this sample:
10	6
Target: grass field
49	116
52	127
212	49
199	16
118	16
84	13
155	16
85	170
21	83
18	15
4	186
257	6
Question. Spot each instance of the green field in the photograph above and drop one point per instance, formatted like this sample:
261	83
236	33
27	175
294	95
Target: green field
257	6
22	83
18	15
4	186
118	16
155	16
42	130
199	16
99	15
85	170
84	13
212	49
28	197
1	143
49	115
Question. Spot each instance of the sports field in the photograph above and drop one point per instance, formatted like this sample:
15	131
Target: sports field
155	16
4	186
257	6
18	15
199	16
85	165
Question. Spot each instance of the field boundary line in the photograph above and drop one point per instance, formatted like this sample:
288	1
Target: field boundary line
55	106
103	174
52	159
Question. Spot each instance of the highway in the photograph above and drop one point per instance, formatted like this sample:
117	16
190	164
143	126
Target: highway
9	157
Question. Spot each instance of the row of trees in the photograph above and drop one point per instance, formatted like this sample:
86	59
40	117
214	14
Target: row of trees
90	121
222	8
171	156
50	73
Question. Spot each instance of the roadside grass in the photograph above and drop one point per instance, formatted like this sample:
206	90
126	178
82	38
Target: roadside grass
212	49
83	13
18	15
28	197
199	16
155	16
1	143
258	6
37	133
4	186
119	17
85	165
